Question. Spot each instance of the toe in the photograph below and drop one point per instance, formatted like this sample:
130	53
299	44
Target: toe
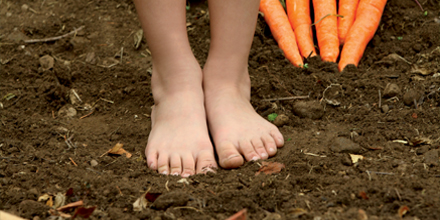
206	161
188	165
175	165
151	159
229	157
259	148
163	166
269	144
278	137
248	151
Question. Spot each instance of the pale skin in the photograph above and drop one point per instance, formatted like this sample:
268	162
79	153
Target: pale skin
191	103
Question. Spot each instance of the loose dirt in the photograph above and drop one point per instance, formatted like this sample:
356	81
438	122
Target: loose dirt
65	103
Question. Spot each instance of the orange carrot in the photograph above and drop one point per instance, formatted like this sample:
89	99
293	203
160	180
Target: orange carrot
367	21
298	12
327	29
347	9
278	22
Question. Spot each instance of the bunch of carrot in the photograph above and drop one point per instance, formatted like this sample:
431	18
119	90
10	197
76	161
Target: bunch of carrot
353	27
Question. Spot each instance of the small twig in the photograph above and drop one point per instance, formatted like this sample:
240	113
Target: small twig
53	114
86	115
122	53
73	161
111	163
286	98
106	100
76	95
380	99
380	173
188	207
325	17
418	3
120	192
398	194
54	38
88	168
369	176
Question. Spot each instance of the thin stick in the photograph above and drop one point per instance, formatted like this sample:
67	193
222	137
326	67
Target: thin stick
53	38
380	100
418	3
73	161
398	194
286	98
86	115
380	173
120	192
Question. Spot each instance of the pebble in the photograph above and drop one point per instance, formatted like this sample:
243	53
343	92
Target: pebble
385	108
93	163
346	160
344	145
410	96
391	90
281	120
24	7
308	109
431	158
172	199
67	111
46	62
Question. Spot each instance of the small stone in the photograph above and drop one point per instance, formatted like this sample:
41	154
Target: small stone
385	108
90	57
33	191
431	158
172	199
93	163
391	90
67	111
410	96
281	120
346	160
308	109
36	218
344	145
24	7
46	62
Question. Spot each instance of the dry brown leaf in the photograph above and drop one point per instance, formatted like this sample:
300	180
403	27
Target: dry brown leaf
43	198
141	203
270	167
402	210
84	212
117	149
49	202
54	212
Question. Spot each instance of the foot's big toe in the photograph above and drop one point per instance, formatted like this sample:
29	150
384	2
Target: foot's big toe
229	157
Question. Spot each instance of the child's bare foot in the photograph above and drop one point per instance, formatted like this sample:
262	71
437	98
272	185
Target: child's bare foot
238	131
179	142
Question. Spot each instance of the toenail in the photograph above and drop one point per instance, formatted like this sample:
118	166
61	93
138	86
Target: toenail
236	155
175	174
280	140
164	172
264	155
255	158
272	150
184	175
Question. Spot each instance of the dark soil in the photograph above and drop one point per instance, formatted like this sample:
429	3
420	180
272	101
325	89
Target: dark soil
398	139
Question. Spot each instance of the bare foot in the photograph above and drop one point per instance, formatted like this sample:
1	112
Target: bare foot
179	142
238	131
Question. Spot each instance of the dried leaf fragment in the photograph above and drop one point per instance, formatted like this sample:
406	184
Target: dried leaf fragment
241	215
84	212
363	195
402	210
356	158
118	150
270	167
141	203
44	197
151	197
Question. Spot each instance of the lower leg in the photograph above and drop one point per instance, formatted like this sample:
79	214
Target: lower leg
178	142
238	131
